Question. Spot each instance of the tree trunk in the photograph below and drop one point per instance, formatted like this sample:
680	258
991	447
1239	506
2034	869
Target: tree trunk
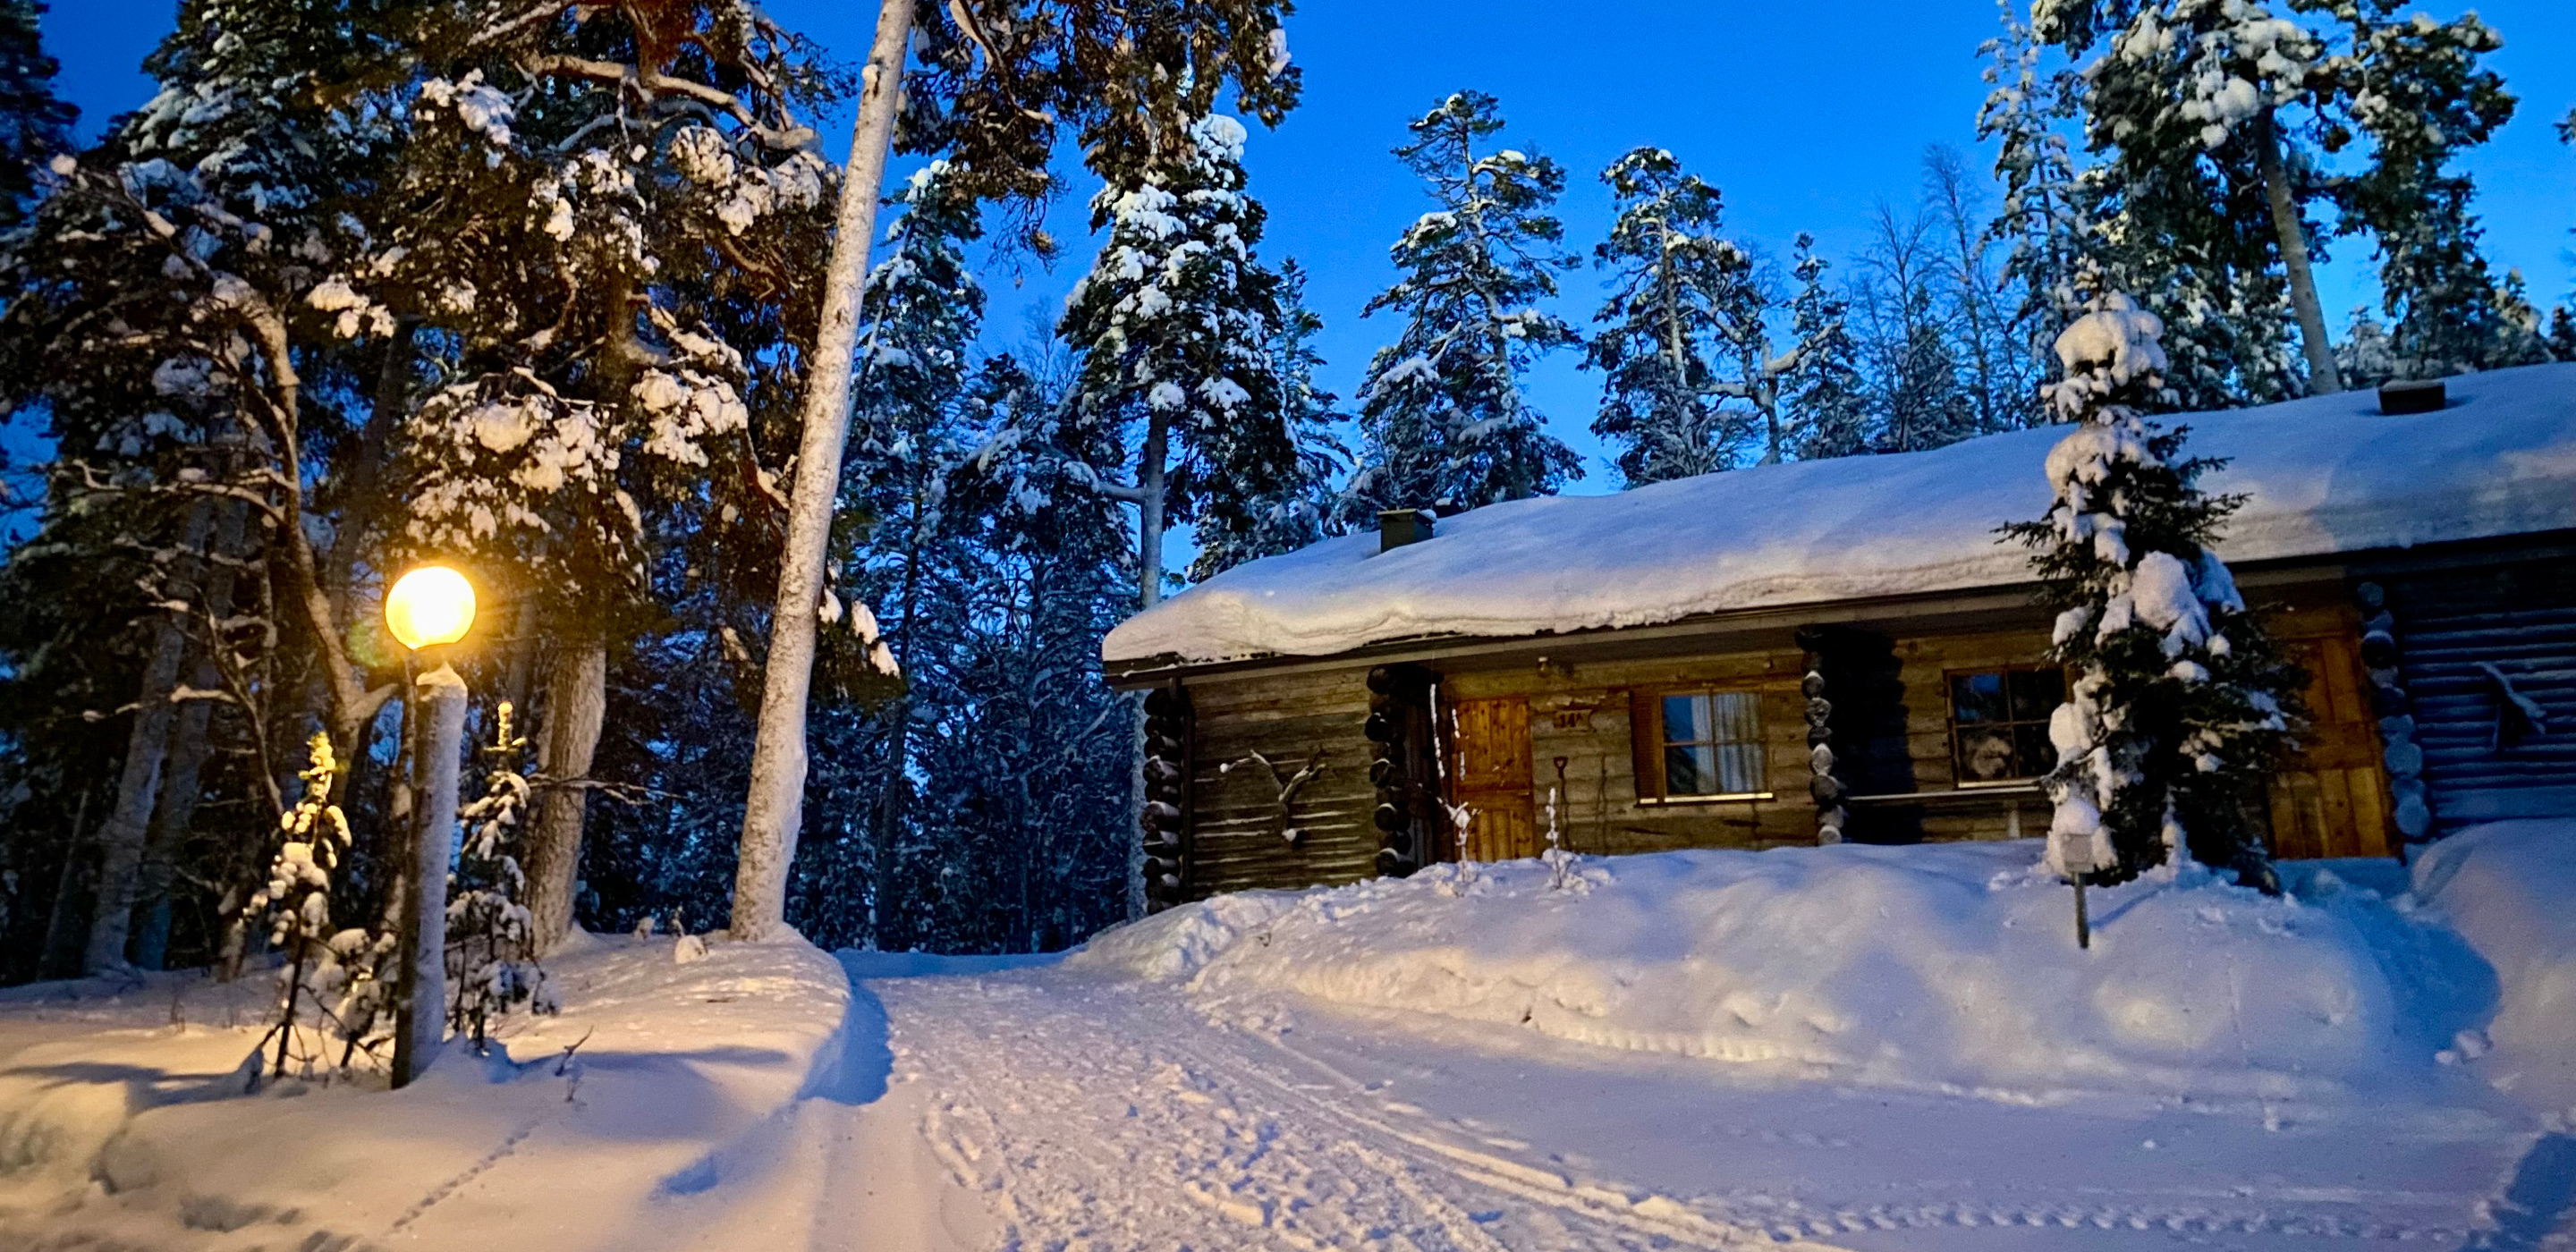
181	782
2323	377
576	705
897	787
1153	480
121	836
774	809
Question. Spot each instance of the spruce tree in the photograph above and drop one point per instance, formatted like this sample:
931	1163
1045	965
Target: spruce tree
1672	277
1174	324
2042	221
2179	700
922	309
35	126
1234	527
1442	419
1827	397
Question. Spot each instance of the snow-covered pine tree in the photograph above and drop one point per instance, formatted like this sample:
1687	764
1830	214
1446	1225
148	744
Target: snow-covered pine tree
2041	221
1827	397
1443	422
921	312
2197	109
1235	527
603	271
35	125
2419	92
337	983
194	231
491	941
2179	700
1174	324
1672	280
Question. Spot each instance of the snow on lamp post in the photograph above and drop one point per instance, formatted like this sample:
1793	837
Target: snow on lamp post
427	609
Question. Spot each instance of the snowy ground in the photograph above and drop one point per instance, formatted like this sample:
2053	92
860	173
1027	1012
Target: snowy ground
1435	1064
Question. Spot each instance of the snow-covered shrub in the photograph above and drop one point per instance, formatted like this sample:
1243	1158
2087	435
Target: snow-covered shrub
2178	700
491	946
336	989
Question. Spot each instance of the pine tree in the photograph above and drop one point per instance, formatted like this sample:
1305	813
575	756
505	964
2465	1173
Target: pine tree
1442	417
35	126
1173	325
1827	398
2200	194
922	310
1235	527
2179	699
1671	276
337	982
2417	91
2042	221
491	939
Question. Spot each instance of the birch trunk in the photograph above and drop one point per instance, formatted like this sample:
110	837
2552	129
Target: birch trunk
576	705
774	809
121	836
2323	377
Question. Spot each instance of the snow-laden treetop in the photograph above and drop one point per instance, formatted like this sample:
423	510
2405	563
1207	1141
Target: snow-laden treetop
2322	475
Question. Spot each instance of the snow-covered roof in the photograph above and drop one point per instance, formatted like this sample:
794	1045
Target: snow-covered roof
2324	475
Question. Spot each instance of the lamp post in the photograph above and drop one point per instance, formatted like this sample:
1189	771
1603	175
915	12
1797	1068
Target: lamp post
427	609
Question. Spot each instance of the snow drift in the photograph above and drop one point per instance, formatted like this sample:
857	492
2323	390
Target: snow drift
1950	968
2510	890
2321	475
123	1123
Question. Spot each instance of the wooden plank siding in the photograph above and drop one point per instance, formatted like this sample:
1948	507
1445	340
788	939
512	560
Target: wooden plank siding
1237	841
1523	732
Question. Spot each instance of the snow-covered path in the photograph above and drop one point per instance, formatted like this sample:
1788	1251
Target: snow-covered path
1053	1108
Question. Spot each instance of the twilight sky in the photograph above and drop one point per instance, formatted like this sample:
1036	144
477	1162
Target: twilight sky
1804	114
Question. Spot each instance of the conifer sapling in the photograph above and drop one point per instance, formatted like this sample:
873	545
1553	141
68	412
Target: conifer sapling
2178	699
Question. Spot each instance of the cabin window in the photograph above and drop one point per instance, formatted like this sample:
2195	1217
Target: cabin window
1712	744
1999	723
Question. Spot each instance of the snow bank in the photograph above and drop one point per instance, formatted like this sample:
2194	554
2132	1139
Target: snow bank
2321	475
1949	967
2510	890
122	1122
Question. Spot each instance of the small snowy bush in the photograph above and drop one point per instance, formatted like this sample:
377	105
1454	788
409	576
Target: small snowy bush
491	949
337	988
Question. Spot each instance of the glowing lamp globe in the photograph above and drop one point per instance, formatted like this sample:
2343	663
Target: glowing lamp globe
430	606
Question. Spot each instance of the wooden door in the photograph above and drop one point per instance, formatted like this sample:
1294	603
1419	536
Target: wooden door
1491	775
2330	798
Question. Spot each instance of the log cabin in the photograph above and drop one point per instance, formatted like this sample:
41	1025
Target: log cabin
1847	649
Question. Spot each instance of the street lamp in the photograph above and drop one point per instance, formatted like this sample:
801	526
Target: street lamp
426	609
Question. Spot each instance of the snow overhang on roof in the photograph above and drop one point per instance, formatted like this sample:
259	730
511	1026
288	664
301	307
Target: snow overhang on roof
2324	475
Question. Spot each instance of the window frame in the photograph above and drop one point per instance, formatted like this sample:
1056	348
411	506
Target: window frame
1959	779
1653	788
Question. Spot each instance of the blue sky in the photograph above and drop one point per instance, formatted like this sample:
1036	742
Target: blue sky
1804	114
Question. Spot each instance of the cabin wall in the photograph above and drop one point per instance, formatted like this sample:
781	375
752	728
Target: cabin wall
1893	739
1237	823
1581	713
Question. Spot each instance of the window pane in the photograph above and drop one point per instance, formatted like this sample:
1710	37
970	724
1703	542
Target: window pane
2036	693
1732	717
1685	719
1985	755
1682	774
2033	753
1739	768
1977	697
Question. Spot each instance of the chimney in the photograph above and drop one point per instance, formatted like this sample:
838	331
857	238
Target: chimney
2411	397
1398	527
